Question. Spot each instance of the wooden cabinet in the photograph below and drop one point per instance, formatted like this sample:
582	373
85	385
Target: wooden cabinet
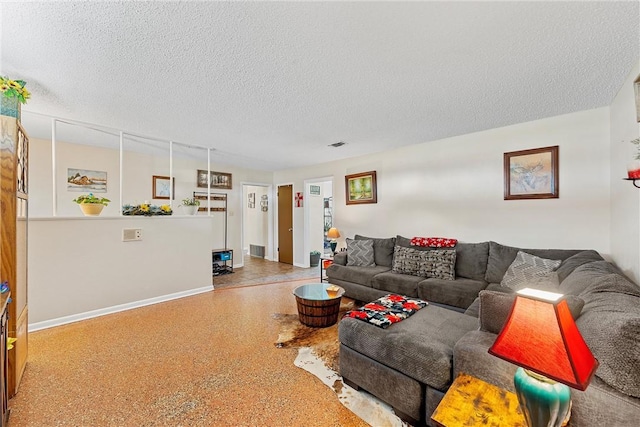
14	160
4	396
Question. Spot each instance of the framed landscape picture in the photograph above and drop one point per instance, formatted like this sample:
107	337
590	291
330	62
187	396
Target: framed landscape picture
161	189
218	179
531	174
360	188
86	180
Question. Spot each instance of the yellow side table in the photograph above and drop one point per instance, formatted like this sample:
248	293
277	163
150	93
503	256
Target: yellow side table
471	401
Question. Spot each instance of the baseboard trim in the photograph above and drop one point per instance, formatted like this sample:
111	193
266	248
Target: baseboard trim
114	309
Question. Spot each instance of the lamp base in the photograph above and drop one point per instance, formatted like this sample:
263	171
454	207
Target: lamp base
333	247
544	402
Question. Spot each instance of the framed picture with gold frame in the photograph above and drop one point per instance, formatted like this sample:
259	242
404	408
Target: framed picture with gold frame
531	174
361	188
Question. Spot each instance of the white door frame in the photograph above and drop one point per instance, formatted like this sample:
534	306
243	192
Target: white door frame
306	231
269	249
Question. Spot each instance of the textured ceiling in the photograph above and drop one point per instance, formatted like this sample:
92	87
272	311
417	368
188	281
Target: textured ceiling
269	85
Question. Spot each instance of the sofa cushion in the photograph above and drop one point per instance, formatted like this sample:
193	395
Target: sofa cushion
501	257
587	276
610	325
360	253
575	261
382	249
471	260
402	284
495	308
420	347
360	275
456	293
435	263
526	267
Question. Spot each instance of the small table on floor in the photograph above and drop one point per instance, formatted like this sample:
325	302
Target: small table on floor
318	304
473	402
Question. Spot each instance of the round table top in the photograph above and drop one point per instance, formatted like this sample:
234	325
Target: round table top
318	291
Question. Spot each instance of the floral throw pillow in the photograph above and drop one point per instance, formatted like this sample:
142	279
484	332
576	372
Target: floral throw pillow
387	310
434	242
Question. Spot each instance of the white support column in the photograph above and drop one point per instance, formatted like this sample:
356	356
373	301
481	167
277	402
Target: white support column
121	170
54	191
171	174
209	182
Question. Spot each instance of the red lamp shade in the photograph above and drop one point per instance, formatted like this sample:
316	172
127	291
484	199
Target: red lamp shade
541	336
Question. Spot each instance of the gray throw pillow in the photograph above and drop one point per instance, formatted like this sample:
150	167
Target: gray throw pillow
527	267
439	264
495	308
360	253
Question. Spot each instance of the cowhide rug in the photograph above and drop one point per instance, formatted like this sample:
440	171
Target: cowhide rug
318	354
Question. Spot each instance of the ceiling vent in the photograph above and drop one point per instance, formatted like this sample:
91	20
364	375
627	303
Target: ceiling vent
337	144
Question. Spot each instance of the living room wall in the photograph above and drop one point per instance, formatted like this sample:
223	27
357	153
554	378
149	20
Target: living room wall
625	198
454	187
79	266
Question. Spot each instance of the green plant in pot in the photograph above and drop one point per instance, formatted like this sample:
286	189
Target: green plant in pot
314	258
190	205
90	204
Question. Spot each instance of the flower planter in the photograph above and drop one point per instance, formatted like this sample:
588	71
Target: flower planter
10	106
91	209
633	169
190	210
314	260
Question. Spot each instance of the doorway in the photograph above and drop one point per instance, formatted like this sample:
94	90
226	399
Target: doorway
285	223
255	221
319	215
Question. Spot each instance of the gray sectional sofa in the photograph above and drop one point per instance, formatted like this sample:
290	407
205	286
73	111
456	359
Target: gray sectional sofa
411	364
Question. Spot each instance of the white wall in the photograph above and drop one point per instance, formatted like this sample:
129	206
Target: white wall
255	220
175	256
454	187
625	198
81	265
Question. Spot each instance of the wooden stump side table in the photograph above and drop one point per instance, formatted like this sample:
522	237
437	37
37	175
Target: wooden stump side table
471	401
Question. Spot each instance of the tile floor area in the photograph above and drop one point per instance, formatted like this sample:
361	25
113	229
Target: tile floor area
258	271
204	360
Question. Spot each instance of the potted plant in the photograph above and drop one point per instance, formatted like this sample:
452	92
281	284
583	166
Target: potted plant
13	94
190	205
314	258
90	204
633	168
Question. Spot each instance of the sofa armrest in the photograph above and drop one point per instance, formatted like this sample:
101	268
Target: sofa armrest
471	356
340	258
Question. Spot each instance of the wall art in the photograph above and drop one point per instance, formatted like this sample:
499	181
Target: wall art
161	187
86	180
360	188
531	174
218	179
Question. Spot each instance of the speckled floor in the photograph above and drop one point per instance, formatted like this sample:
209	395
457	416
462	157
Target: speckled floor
257	271
205	360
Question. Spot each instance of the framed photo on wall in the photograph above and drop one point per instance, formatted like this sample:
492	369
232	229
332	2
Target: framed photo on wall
531	174
360	188
160	189
218	179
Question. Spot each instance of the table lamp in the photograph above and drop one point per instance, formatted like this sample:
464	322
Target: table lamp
541	337
333	234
